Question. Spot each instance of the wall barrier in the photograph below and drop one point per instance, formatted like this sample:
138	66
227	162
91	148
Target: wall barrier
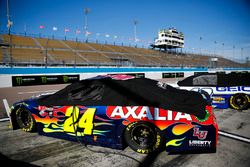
57	75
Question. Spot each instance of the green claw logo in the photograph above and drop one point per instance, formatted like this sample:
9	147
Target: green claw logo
19	80
44	79
65	78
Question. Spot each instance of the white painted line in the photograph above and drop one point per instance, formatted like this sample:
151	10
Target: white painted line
42	91
6	106
7	109
4	119
241	138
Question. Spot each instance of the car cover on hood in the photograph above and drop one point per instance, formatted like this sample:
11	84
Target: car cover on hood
127	91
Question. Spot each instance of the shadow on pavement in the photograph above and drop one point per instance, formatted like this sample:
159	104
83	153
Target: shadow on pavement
149	159
14	163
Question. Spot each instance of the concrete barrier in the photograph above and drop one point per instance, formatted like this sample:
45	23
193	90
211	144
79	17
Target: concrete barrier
152	73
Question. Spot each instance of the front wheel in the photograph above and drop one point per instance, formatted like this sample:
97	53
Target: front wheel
143	137
239	101
25	120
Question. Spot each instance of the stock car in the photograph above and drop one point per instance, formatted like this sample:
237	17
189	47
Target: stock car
230	90
117	111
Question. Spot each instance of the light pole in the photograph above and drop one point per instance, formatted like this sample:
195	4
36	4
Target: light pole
135	23
9	24
215	42
86	11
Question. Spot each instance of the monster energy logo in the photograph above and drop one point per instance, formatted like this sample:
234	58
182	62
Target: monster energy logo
19	80
65	78
44	79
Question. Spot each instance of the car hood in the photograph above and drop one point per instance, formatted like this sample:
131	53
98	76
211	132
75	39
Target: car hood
31	101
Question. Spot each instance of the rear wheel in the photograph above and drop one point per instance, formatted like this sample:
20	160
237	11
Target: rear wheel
143	137
239	101
25	120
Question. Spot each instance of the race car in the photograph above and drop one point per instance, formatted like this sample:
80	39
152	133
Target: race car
226	90
117	111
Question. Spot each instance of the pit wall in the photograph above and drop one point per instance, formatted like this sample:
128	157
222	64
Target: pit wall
152	73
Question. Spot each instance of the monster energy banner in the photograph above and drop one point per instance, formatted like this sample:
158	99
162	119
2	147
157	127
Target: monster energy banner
43	80
173	75
200	73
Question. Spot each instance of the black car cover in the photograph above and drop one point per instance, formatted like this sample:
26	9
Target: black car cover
233	79
105	91
217	79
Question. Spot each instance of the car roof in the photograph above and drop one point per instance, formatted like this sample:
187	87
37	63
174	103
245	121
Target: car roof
108	91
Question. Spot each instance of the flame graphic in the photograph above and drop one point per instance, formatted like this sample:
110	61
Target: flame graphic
174	142
95	132
52	125
181	129
53	128
47	120
100	132
103	123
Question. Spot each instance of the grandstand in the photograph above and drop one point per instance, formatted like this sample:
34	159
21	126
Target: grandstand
38	51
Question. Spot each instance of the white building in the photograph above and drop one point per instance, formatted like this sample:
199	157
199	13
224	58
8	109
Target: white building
169	39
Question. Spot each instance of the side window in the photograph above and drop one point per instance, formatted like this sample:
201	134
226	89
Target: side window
205	80
87	92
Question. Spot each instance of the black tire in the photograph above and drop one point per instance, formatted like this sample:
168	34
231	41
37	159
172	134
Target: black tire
25	120
239	101
143	137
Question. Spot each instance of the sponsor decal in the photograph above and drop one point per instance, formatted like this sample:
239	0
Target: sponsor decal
148	113
200	134
71	120
43	80
219	100
199	143
65	78
160	117
233	89
44	111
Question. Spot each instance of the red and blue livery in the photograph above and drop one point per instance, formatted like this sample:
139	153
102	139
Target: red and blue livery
120	111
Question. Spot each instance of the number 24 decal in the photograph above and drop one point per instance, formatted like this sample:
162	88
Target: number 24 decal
86	121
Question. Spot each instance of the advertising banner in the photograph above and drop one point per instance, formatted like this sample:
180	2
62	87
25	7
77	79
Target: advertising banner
43	80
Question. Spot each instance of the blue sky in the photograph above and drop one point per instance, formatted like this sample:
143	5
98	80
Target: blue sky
224	21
